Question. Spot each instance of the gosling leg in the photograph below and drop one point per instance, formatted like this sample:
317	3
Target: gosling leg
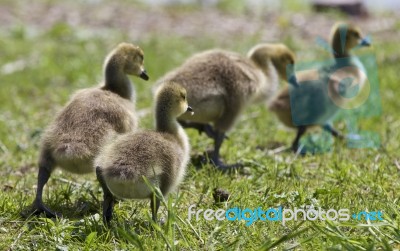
218	140
300	132
46	166
335	133
108	201
202	128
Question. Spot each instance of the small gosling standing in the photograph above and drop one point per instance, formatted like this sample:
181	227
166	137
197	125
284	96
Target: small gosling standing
160	156
313	99
220	84
92	115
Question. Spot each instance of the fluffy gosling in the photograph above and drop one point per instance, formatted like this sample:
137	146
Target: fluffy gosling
160	156
220	84
92	115
316	95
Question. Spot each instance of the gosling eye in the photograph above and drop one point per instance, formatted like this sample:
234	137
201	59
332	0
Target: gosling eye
183	96
356	35
289	60
140	58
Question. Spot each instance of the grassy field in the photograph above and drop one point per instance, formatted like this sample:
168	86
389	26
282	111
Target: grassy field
43	63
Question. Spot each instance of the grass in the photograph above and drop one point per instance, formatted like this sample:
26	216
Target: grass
40	70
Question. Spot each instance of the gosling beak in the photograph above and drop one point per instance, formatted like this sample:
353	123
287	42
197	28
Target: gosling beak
365	42
190	109
293	80
144	75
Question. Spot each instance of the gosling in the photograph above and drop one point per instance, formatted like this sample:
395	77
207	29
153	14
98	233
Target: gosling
159	156
322	87
92	115
221	84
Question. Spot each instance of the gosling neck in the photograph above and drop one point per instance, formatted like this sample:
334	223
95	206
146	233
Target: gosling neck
264	64
337	54
116	80
338	50
341	56
165	121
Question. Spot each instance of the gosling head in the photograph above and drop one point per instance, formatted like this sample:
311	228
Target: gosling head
345	37
172	99
129	58
279	54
